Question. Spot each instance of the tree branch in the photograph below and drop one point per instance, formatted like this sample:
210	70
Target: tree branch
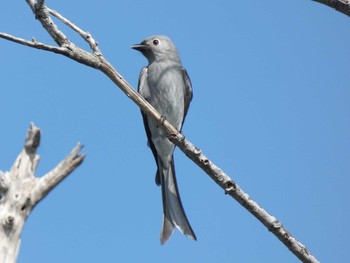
21	191
96	60
342	6
56	175
85	35
33	43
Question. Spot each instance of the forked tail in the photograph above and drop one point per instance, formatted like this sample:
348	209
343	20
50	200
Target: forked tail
173	211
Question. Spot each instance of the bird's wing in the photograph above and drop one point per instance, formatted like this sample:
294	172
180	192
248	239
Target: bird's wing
143	90
188	90
142	79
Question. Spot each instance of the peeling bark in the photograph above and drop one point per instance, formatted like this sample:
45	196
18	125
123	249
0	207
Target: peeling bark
21	191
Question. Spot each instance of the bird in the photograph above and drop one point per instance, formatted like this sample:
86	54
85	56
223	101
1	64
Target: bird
165	84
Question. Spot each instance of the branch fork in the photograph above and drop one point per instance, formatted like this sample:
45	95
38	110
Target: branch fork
21	191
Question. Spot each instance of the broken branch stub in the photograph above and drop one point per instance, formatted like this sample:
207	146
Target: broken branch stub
21	191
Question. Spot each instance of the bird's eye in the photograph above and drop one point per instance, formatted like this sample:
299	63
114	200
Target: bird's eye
155	42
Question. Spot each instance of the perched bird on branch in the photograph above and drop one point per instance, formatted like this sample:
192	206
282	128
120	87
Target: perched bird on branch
165	84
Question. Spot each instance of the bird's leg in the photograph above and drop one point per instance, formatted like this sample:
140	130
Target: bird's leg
183	137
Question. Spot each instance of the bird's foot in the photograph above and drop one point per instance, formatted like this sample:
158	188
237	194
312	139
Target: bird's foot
162	119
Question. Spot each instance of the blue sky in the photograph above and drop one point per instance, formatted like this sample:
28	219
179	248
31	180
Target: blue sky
271	108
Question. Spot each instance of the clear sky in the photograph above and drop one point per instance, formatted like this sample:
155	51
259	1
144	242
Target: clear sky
271	108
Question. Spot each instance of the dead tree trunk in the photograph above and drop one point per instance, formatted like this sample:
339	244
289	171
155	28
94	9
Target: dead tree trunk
20	191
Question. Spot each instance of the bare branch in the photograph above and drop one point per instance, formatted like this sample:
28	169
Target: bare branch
96	60
20	191
60	172
85	35
232	189
342	6
33	43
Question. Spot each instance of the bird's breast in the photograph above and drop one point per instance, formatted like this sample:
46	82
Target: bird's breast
166	91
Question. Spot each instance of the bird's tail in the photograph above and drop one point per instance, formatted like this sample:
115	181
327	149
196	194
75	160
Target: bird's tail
173	211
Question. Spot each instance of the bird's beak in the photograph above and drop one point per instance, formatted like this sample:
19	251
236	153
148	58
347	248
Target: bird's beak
140	47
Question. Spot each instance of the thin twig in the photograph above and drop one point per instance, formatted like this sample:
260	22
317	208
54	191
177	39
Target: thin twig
85	35
33	44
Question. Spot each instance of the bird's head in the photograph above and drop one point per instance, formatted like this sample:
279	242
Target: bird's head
157	48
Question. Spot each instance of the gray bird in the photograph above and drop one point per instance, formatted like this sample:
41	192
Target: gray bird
165	84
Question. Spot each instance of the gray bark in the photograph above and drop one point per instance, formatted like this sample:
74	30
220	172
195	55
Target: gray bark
21	191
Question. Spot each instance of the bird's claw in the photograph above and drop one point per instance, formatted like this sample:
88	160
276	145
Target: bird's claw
162	119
